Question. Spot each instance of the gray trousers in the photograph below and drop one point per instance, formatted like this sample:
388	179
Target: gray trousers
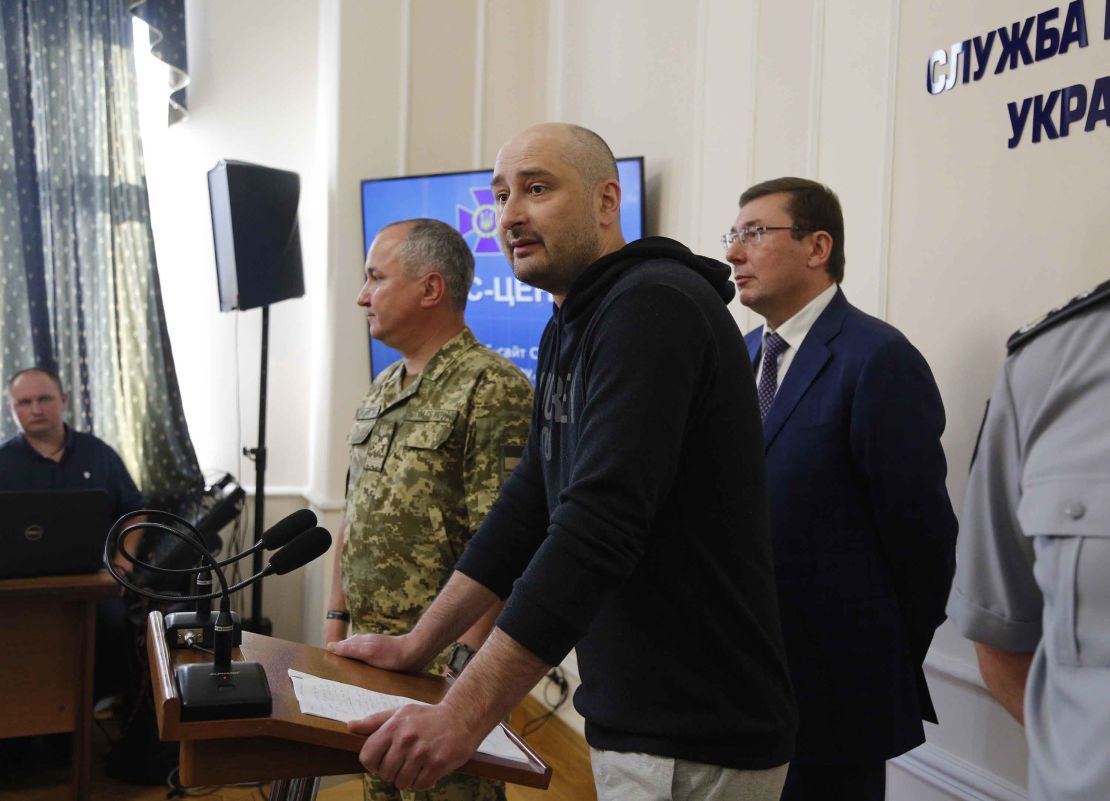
645	777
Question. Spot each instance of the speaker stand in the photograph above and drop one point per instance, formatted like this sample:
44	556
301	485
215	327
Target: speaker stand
256	622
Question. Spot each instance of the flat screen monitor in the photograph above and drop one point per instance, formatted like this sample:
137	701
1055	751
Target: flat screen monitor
505	314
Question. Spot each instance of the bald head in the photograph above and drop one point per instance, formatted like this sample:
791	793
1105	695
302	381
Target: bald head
590	155
579	148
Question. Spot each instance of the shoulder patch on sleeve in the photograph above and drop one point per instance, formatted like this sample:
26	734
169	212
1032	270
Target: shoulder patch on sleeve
1082	301
510	458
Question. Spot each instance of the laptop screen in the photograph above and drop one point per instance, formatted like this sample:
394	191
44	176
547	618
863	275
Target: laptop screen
52	532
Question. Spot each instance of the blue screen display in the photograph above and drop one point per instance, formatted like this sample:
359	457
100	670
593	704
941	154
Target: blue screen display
505	314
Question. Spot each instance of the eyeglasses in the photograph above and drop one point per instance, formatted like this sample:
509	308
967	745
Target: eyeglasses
754	234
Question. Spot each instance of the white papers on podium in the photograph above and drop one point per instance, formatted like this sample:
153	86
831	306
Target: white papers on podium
345	702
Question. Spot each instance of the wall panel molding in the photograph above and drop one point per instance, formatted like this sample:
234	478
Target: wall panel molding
481	38
556	44
952	775
887	190
726	126
406	88
305	493
324	503
753	61
701	106
954	668
816	85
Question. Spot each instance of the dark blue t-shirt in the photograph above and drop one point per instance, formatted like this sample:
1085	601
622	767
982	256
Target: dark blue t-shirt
87	463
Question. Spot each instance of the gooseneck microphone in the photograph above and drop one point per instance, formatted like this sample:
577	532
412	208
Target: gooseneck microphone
202	583
224	688
279	534
186	628
298	553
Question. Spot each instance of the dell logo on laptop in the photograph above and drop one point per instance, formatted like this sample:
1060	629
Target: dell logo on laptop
33	533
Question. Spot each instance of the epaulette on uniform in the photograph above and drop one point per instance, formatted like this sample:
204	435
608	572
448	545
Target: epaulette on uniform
1082	301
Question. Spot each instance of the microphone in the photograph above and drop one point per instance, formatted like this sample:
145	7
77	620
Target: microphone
277	535
187	628
303	549
286	529
221	689
228	689
202	583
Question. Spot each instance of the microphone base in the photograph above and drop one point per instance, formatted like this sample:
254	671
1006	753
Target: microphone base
243	692
180	625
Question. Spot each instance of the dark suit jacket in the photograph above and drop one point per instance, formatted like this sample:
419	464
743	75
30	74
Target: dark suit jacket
863	533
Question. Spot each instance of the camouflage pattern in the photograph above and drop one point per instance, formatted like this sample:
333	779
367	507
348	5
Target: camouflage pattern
452	787
426	463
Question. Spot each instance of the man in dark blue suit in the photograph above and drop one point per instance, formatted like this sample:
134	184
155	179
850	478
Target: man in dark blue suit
862	527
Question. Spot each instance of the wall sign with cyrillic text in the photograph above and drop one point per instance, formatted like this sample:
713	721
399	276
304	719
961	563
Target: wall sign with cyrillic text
1056	114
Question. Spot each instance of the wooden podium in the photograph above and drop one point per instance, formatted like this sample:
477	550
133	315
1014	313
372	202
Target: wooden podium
288	745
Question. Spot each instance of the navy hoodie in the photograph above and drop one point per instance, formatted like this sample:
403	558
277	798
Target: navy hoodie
635	528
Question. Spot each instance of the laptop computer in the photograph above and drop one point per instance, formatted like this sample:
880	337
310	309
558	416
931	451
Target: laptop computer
52	532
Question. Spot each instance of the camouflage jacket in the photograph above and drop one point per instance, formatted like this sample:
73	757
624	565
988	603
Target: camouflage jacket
426	463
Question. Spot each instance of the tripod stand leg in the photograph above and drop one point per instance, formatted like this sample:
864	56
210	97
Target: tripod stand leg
295	789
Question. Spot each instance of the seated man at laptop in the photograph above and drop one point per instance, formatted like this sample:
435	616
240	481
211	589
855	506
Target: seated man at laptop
49	455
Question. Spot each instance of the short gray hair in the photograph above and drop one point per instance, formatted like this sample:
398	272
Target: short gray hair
431	245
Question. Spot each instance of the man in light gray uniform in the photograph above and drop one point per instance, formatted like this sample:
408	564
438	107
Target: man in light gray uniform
1032	584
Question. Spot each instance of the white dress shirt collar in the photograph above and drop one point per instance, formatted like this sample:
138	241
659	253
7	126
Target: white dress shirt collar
795	330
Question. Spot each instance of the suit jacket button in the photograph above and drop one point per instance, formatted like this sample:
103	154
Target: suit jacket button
1075	510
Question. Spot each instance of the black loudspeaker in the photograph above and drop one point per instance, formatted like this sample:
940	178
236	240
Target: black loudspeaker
258	241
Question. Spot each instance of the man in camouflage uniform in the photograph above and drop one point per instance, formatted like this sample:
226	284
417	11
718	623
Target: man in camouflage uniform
431	443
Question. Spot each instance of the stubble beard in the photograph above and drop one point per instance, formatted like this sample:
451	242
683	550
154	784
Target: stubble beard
556	269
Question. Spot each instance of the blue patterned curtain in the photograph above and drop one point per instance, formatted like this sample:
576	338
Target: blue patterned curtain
78	279
166	19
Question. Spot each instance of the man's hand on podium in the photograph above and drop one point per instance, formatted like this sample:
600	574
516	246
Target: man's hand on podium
415	746
381	650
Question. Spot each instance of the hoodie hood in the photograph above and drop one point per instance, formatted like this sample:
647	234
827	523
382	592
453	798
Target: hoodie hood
592	285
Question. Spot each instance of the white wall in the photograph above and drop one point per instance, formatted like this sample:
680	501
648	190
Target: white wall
253	73
951	236
983	239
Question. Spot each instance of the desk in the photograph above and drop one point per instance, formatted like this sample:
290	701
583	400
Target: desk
46	664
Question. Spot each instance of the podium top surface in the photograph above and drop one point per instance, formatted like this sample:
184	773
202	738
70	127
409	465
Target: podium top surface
286	722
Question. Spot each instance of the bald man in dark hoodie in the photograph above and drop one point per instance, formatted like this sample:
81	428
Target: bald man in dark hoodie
634	528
